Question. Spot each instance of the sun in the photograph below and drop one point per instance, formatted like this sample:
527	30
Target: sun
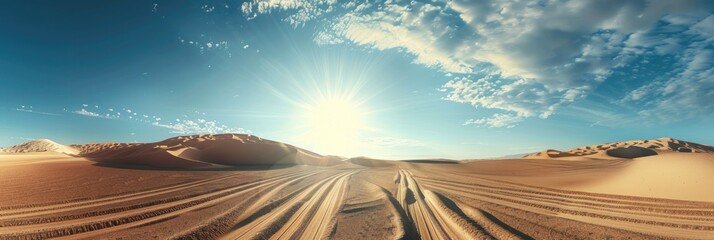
333	125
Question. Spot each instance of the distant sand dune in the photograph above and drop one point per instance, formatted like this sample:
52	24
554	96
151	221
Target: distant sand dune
370	162
41	145
628	149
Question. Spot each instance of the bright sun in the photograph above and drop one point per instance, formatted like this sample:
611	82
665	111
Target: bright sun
334	125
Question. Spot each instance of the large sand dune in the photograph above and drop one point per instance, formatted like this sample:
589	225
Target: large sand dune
204	151
597	196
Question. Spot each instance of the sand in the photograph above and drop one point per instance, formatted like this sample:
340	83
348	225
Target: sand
627	149
223	151
172	190
41	145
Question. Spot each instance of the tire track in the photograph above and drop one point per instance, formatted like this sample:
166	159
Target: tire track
654	213
126	219
453	217
610	198
24	211
632	221
572	196
432	218
323	209
54	217
240	212
262	223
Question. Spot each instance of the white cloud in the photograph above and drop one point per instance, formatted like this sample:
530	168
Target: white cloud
421	29
29	109
687	94
205	44
180	126
689	89
303	10
523	98
198	127
496	121
84	112
207	8
525	57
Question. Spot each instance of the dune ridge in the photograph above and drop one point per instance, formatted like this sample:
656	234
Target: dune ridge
627	149
41	145
204	151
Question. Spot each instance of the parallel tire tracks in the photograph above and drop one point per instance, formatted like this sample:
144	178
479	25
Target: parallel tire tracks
655	216
124	219
292	215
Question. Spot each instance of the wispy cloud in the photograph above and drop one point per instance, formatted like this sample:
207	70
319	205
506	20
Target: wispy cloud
496	121
84	112
185	125
28	109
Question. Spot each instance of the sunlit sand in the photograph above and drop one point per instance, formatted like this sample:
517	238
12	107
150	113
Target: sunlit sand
243	187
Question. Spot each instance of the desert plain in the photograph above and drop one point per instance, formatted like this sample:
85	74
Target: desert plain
234	186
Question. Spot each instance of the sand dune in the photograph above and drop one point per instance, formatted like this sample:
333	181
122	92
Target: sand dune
628	149
597	196
204	151
41	145
370	162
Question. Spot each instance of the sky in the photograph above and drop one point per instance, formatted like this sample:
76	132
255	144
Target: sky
390	79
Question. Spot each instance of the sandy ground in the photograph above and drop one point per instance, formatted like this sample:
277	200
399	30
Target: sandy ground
667	196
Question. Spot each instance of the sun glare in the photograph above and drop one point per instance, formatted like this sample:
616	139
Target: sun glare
334	125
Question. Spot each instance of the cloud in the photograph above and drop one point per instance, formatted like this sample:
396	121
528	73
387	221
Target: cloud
199	125
687	94
496	121
421	29
84	112
29	109
392	142
205	44
524	57
686	90
523	98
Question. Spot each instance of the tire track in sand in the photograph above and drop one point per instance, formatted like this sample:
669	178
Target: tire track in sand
323	210
216	226
33	210
103	224
292	212
432	220
654	219
54	215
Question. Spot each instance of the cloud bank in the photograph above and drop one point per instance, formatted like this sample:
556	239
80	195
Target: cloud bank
529	58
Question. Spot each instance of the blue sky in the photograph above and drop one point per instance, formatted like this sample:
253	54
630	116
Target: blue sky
394	79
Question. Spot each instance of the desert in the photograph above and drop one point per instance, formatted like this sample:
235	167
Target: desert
357	119
236	186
